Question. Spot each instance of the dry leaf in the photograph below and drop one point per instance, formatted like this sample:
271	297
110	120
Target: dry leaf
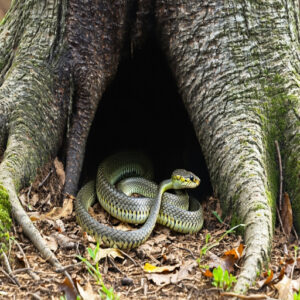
153	269
287	287
87	293
51	242
59	169
269	276
287	215
60	212
64	241
108	252
68	288
124	227
227	261
34	199
207	273
183	273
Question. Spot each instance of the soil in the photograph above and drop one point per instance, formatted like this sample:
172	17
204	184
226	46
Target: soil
183	275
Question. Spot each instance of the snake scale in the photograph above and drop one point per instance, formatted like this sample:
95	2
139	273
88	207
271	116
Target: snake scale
175	211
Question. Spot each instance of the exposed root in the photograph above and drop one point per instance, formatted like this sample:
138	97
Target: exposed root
24	221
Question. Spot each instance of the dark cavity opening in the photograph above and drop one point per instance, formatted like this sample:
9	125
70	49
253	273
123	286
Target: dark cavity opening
142	109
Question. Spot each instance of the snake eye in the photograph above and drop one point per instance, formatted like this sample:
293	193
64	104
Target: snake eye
192	178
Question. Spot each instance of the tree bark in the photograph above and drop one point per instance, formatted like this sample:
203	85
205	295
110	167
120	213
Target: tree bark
236	64
237	67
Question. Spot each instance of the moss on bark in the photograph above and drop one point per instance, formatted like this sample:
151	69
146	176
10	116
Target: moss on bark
5	209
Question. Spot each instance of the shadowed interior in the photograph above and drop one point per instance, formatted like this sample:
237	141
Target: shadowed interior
142	109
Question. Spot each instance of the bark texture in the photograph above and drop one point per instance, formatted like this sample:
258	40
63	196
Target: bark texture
236	64
240	86
30	134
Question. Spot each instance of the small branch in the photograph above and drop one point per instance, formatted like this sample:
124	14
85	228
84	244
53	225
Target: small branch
112	262
27	265
68	267
280	174
10	277
279	218
252	297
45	179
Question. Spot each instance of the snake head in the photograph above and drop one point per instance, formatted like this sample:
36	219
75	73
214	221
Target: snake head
183	179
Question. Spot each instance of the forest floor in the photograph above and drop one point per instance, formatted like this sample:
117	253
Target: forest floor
133	274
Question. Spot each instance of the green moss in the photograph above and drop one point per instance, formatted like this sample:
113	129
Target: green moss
5	208
5	219
276	107
236	220
259	206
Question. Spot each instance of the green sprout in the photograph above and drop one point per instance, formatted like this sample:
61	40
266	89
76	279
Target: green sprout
95	272
222	279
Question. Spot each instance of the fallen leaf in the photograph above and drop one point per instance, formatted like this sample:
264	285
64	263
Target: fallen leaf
227	261
108	252
183	273
124	227
60	212
64	241
34	199
269	276
68	288
153	269
87	293
287	215
207	273
59	169
51	242
287	287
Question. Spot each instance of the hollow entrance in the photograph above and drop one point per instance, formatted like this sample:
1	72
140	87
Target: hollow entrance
142	109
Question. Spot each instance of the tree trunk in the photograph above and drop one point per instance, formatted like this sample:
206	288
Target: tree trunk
236	65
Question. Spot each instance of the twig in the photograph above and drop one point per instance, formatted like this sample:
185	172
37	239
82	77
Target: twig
280	174
8	269
112	262
29	191
71	280
68	267
11	278
35	296
295	233
27	265
128	256
254	297
280	221
45	179
188	250
6	262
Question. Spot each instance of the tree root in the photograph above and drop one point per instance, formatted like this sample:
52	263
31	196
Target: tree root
24	221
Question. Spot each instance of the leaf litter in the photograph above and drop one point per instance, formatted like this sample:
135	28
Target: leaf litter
175	274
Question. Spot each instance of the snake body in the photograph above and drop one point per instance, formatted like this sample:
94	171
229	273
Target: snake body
157	206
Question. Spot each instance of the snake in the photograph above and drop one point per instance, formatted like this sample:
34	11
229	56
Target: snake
133	171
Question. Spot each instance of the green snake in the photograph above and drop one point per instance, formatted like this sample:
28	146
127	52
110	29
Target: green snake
156	205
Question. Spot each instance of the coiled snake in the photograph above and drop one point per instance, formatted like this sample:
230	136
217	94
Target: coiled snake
156	205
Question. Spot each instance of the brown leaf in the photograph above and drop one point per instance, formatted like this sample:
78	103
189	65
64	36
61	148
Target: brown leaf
287	215
183	273
59	169
60	212
108	252
287	287
64	241
269	276
207	273
87	293
227	261
68	288
51	242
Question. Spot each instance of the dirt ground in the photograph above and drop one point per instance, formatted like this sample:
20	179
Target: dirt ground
180	278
